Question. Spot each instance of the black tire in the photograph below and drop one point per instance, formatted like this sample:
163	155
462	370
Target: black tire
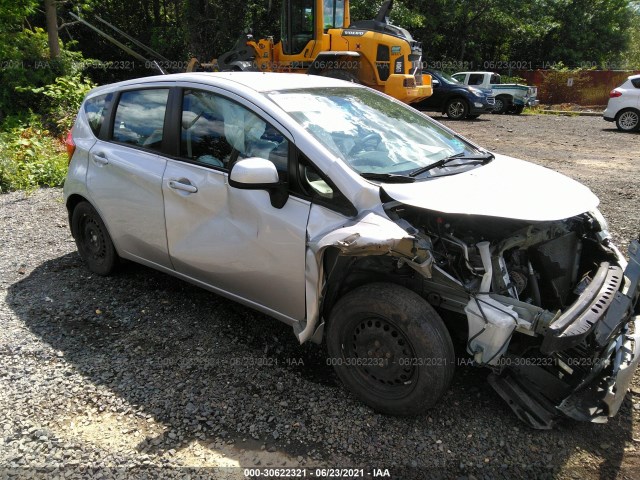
472	117
457	109
502	105
518	109
93	240
340	75
628	120
390	349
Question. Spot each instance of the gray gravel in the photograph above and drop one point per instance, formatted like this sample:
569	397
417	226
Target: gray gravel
142	374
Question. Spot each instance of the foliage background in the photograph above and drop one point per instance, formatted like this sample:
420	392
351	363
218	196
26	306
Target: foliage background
40	95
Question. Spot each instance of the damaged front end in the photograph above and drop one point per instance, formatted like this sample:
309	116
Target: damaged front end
549	306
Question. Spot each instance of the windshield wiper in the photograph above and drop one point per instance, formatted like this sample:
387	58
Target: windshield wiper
482	157
387	177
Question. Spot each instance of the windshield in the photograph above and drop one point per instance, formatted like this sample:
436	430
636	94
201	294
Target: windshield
447	78
370	133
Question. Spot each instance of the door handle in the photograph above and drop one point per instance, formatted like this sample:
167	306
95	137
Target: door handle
100	158
185	187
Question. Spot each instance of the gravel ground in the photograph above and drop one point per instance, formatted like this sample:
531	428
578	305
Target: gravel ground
142	374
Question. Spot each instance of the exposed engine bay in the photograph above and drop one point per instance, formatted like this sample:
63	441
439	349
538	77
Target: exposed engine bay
534	295
546	304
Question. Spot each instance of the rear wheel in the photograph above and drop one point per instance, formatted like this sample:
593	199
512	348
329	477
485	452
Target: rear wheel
390	349
518	109
457	109
501	105
93	240
628	120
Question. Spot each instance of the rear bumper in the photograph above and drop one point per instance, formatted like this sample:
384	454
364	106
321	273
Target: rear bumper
587	362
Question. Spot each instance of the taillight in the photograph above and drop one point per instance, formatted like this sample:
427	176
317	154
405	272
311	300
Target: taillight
409	82
615	93
71	146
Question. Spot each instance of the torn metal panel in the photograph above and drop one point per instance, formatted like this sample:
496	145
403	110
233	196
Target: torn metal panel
370	234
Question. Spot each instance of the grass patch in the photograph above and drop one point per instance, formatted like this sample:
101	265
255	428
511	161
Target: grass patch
30	156
542	111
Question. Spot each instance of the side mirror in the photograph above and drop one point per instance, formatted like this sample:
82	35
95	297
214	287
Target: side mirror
259	174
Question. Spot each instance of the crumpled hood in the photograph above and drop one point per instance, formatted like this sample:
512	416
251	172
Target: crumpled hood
506	187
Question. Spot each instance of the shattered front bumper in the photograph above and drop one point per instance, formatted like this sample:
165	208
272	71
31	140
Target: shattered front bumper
587	365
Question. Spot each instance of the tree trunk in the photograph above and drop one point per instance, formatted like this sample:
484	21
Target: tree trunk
52	28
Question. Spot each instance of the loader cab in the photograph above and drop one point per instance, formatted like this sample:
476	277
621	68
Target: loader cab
333	14
298	25
306	20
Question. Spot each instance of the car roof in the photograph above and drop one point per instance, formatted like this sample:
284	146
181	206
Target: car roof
256	81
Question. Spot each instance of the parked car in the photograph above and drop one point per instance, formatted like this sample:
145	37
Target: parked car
510	97
361	222
454	99
624	105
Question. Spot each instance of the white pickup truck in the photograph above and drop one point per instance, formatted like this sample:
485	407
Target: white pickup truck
510	97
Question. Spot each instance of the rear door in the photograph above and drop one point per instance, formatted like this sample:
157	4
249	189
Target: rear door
231	239
635	90
124	177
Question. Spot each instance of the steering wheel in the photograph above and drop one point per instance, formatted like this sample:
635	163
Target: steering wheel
361	144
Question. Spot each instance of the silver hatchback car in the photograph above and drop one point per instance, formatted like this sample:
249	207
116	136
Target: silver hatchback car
362	222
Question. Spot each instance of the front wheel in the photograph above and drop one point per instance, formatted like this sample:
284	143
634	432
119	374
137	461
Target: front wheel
457	109
628	121
390	348
93	240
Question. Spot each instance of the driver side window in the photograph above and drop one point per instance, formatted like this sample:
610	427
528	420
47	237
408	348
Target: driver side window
216	131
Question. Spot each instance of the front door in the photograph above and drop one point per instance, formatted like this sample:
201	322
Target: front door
233	240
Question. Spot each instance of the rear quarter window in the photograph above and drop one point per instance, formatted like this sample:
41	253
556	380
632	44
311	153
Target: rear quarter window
636	82
94	110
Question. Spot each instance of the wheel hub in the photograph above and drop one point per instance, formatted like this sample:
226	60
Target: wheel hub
383	353
94	242
456	109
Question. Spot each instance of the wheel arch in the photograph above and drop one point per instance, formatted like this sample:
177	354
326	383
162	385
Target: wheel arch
318	66
72	203
626	109
345	273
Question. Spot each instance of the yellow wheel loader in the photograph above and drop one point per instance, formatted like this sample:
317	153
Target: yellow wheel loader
318	38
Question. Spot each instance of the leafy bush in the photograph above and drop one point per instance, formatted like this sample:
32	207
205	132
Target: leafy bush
63	99
29	156
26	65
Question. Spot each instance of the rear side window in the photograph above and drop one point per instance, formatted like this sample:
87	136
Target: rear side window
636	82
94	109
139	118
476	79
